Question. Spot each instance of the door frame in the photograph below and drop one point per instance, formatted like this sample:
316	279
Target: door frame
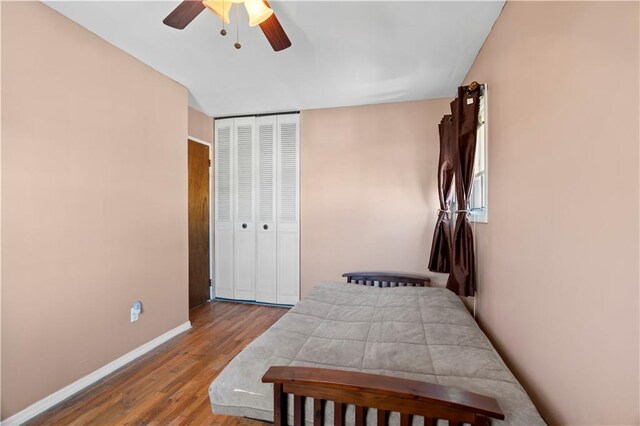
211	211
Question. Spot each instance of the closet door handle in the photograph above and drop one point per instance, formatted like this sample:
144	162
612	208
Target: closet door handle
266	226
244	226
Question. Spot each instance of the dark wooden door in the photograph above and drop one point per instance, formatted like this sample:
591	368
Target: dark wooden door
199	255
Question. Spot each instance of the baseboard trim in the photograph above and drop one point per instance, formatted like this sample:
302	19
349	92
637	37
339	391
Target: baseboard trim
67	391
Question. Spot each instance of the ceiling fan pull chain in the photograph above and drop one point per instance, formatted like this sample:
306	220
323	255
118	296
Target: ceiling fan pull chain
223	31
237	45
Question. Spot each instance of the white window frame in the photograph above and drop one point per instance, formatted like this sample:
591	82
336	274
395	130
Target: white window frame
482	215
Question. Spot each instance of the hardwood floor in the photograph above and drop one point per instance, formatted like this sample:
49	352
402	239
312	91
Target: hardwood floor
169	386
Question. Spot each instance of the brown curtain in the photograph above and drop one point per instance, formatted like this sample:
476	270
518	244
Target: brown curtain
465	108
440	258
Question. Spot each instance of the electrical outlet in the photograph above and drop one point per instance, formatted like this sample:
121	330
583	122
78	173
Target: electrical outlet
136	309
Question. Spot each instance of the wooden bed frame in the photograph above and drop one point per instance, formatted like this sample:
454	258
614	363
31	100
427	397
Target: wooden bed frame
384	393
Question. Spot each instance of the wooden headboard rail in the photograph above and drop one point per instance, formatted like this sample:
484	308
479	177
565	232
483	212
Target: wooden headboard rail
387	279
384	393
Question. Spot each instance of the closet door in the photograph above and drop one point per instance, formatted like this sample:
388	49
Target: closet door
266	260
244	207
223	245
287	209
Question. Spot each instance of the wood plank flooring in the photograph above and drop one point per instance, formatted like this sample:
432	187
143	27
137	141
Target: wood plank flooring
169	386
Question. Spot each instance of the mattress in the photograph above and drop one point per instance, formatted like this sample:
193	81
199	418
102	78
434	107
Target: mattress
418	333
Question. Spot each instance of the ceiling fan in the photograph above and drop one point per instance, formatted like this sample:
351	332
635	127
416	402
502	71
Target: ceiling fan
260	13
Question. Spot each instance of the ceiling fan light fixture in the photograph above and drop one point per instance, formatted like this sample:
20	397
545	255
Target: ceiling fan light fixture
220	8
258	12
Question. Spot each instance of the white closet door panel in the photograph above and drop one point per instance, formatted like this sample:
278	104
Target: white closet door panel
244	261
244	208
288	181
223	244
288	269
244	169
287	209
266	131
266	260
266	267
224	264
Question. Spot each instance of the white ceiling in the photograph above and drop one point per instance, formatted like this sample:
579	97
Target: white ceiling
343	53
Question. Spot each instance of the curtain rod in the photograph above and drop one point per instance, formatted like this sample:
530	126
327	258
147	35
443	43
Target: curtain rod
257	115
473	86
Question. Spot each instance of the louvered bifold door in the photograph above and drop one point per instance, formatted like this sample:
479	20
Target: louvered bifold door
223	245
266	260
244	226
287	206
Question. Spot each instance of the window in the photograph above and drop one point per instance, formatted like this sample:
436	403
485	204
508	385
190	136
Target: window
478	199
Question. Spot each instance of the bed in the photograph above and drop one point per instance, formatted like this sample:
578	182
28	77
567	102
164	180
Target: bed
378	353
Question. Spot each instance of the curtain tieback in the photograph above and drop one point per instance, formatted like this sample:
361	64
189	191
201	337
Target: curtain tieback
447	212
463	211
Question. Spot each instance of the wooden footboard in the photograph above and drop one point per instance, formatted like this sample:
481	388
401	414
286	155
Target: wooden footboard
385	394
387	279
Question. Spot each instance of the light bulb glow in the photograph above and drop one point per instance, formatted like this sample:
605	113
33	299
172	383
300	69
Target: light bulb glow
258	11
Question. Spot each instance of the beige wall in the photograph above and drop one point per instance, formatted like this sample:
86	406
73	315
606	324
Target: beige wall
368	188
558	290
200	125
94	192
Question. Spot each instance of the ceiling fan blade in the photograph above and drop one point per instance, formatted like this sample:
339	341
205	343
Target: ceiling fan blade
184	14
275	33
